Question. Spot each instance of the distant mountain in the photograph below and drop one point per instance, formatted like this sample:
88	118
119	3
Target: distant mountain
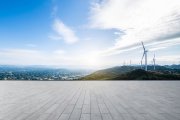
170	72
134	73
173	66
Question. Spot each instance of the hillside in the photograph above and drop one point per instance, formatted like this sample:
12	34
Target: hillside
140	74
134	73
109	73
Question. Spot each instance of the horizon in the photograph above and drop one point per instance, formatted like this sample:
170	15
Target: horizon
82	68
90	34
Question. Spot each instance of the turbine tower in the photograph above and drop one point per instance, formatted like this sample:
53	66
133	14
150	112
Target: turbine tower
154	61
144	55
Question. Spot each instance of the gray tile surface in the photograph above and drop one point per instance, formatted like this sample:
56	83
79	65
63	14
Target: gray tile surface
89	100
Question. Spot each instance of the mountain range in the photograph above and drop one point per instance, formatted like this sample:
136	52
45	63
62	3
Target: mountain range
136	73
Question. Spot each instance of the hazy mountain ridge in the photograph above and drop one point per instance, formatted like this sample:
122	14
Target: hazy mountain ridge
168	72
135	73
174	66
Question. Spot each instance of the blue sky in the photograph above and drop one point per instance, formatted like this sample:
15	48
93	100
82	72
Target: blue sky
88	33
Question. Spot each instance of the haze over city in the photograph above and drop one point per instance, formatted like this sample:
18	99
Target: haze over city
88	33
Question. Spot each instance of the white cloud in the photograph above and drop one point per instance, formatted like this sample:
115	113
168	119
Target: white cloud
154	46
59	52
34	57
63	32
157	48
55	37
163	44
174	59
31	45
20	56
57	57
54	11
140	20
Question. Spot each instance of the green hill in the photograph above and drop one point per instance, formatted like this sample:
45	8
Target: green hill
109	73
134	73
140	74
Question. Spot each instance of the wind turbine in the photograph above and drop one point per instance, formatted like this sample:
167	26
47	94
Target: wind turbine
154	61
144	55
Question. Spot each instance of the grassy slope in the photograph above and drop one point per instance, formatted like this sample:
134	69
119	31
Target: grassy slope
131	73
108	73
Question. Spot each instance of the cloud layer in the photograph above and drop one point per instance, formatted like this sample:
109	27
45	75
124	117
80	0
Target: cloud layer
150	21
63	32
55	58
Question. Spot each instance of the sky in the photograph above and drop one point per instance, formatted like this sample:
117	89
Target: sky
89	33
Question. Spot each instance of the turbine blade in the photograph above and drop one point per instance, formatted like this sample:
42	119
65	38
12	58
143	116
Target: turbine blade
143	56
143	46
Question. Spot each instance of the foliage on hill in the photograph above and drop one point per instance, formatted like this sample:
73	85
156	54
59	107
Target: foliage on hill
134	73
140	74
106	74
